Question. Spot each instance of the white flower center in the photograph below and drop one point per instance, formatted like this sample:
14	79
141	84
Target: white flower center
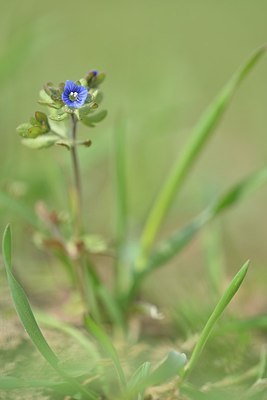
73	96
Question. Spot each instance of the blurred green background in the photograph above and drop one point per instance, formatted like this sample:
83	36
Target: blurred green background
165	61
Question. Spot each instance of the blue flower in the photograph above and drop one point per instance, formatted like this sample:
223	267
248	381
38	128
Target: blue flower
74	95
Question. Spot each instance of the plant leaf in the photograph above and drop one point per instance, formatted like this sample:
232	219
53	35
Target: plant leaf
94	118
40	142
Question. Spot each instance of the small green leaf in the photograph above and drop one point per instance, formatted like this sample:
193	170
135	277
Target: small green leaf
43	141
34	132
95	118
23	129
40	116
58	117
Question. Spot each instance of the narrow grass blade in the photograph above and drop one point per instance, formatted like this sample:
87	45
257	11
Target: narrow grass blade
107	346
197	141
28	320
120	167
219	309
173	245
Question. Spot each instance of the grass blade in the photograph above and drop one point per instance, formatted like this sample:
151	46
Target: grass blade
120	167
107	346
201	134
28	320
219	309
173	245
121	273
170	247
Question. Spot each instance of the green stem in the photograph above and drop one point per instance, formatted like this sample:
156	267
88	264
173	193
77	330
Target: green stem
77	178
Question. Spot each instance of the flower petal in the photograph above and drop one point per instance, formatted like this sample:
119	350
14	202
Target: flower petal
69	86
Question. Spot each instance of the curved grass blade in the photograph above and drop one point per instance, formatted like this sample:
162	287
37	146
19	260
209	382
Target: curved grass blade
28	320
107	346
170	247
197	141
219	309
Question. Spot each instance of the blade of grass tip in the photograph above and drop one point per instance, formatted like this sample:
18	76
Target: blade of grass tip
107	346
219	309
184	163
27	318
